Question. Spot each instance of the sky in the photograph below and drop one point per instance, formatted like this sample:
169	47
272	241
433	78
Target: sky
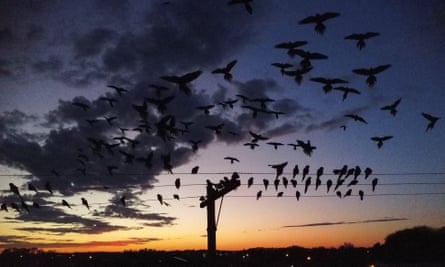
58	60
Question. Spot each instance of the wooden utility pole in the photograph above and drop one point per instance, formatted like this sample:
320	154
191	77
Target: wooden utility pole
213	193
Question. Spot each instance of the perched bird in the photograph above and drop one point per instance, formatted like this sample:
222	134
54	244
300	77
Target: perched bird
297	195
374	183
357	171
65	203
249	182
285	182
380	139
346	91
432	120
258	194
276	183
278	168
318	19
176	196
320	172
356	117
295	171
232	159
280	194
178	183
307	184
226	70
328	185
371	72
348	193
328	82
265	183
361	194
338	193
85	203
195	170
317	182
305	172
361	37
119	90
183	80
246	4
368	171
392	107
294	183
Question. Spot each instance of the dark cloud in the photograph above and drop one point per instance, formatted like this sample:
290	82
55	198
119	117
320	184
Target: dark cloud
341	223
6	35
92	43
50	65
5	66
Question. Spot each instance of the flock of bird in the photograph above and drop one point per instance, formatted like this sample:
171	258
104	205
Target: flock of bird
167	128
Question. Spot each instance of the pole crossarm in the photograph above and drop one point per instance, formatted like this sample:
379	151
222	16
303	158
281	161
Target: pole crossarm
213	194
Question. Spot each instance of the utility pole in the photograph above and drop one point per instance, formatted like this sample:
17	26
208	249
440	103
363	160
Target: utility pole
215	191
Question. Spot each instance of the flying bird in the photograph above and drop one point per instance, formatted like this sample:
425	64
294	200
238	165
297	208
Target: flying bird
431	119
282	66
294	183
297	73
328	82
159	197
307	147
361	37
257	137
246	3
226	70
307	56
371	73
278	168
392	107
217	128
274	144
252	145
85	203
381	139
318	19
183	80
65	203
83	106
195	144
109	100
346	91
356	117
232	159
119	90
206	109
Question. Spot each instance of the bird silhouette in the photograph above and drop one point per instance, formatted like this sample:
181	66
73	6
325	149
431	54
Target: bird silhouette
285	182
276	183
357	172
249	182
328	185
374	183
176	196
294	183
295	171
392	107
278	168
275	144
246	4
65	203
280	194
318	19
328	82
346	91
265	183
361	194
356	117
317	182
216	128
307	147
195	144
14	189
109	100
348	193
306	57
258	194
85	203
263	101
361	37
289	46
183	80
123	201
205	109
158	89
297	74
305	172
307	183
232	159
178	183
381	139
160	103
159	197
431	120
297	194
243	98
282	66
368	171
195	170
226	70
371	73
252	145
338	193
320	172
257	137
119	90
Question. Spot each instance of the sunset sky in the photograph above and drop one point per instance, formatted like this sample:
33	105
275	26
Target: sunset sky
58	58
